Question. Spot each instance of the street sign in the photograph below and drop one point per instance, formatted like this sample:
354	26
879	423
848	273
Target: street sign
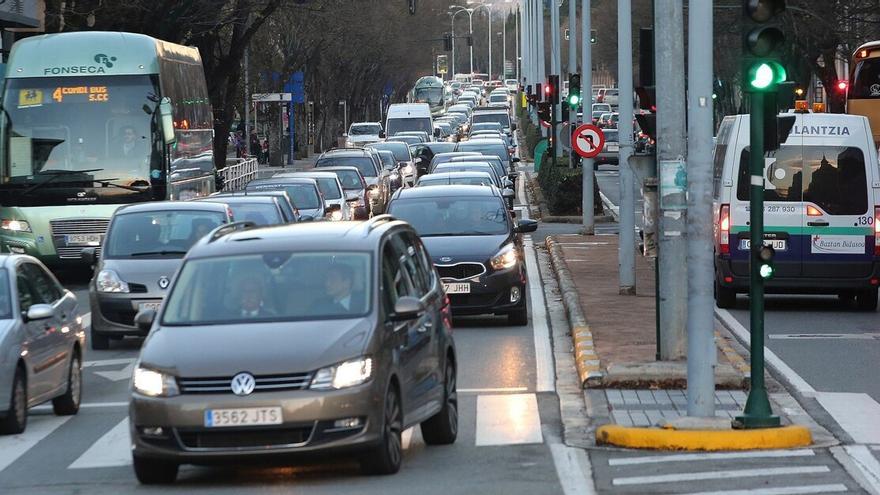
588	140
271	97
442	64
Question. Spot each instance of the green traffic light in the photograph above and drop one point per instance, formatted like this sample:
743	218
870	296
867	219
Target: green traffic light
574	99
766	271
765	74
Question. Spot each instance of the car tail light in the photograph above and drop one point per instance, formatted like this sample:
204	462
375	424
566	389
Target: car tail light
877	231
724	229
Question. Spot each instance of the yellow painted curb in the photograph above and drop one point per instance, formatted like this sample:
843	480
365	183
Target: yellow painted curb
666	439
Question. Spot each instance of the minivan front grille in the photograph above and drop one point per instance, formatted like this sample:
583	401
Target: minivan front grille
461	271
264	383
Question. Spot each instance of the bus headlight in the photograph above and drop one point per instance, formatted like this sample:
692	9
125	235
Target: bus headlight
109	281
15	225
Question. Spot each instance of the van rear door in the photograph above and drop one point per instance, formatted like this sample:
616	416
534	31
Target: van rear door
782	210
838	235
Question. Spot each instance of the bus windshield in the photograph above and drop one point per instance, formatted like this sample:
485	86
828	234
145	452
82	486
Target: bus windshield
80	139
429	95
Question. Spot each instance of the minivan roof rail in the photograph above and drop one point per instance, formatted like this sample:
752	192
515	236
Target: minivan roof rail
229	228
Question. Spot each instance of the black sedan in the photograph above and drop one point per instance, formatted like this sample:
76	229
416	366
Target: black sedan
475	245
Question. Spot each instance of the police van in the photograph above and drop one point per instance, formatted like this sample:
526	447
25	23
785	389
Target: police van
821	209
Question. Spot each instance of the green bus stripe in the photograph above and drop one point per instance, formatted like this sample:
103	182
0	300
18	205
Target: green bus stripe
735	229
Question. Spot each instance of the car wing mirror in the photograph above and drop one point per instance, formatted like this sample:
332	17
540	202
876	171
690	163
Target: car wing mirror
526	225
508	193
166	114
381	134
39	312
407	308
143	320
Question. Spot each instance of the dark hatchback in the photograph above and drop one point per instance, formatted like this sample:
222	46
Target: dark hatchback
475	245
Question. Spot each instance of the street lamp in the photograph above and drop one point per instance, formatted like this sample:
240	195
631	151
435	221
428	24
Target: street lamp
470	13
488	7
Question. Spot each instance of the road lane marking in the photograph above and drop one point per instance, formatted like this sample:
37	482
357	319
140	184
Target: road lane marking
718	475
87	320
39	427
858	414
783	490
508	420
118	375
770	357
492	390
84	405
573	470
827	336
108	362
545	379
113	449
868	468
653	459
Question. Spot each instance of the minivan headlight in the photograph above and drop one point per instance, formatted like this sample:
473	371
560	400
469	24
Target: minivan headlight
154	383
109	281
15	225
343	375
506	258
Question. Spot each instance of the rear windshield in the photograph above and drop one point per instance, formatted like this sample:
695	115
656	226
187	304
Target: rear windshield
498	98
866	79
304	196
160	233
259	213
610	135
499	117
275	286
400	150
365	130
832	177
468	181
363	163
329	188
499	150
349	179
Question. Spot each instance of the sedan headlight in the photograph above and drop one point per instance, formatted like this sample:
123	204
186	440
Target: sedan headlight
15	225
506	258
154	383
109	281
343	375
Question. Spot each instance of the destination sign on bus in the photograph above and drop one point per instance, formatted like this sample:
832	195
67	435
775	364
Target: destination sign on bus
88	93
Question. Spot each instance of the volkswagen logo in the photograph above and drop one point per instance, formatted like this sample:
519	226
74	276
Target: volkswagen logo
243	384
164	282
445	259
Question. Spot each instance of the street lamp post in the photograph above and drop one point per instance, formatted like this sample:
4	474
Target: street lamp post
470	13
488	7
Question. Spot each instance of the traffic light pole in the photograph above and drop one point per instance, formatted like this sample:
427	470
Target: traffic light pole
758	413
587	175
626	251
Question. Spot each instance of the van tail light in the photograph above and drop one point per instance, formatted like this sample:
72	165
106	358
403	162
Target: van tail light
724	229
877	231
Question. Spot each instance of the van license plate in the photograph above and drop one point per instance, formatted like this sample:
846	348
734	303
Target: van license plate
777	244
460	288
250	416
84	239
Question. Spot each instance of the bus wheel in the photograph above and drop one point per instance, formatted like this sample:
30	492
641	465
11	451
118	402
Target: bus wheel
866	300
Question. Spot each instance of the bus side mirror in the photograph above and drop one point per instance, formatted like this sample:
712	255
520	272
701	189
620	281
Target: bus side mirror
167	121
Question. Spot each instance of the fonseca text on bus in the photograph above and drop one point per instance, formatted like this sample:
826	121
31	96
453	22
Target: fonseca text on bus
74	69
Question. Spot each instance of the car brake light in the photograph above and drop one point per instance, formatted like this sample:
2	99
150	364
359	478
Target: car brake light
877	231
724	224
812	211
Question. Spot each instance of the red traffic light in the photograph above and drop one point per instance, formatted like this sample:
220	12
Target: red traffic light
842	86
548	89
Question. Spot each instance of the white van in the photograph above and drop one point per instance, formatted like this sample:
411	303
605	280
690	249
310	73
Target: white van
409	117
821	209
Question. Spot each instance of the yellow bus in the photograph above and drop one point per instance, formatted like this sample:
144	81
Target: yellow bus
863	97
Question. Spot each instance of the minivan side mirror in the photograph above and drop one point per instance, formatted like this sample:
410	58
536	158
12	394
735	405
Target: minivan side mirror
526	225
508	193
89	255
513	126
381	134
166	114
39	312
407	308
436	132
143	320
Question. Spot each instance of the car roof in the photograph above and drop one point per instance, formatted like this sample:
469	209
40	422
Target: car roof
455	190
484	140
307	236
245	198
282	180
347	168
162	206
345	152
457	173
308	173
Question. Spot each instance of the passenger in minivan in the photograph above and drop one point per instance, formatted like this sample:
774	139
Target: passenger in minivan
340	295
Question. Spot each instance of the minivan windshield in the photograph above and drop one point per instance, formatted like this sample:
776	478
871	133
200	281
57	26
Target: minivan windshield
453	216
401	124
272	286
162	233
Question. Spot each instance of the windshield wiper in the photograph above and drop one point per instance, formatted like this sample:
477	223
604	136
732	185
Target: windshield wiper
54	174
162	252
108	182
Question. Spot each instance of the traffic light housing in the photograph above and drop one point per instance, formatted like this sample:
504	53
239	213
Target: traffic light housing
544	112
553	89
447	42
574	91
762	40
593	37
539	93
765	255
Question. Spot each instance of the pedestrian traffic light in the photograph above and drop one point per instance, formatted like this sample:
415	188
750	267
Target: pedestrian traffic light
553	88
765	259
593	37
574	91
544	112
447	42
762	39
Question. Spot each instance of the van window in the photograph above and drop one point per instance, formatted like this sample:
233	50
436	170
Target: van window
835	179
784	178
719	154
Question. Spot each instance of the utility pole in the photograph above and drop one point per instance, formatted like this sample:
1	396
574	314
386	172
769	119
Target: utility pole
517	38
471	34
503	48
669	56
572	69
626	252
556	68
539	47
588	175
247	98
700	266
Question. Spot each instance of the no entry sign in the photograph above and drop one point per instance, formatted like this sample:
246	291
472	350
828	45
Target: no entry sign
588	140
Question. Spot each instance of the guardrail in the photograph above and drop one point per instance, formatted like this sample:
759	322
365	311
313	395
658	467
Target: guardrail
237	175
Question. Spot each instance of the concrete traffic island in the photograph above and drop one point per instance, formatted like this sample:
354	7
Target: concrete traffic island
671	438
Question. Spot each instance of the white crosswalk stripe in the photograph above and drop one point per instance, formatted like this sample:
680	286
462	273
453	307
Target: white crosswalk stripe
39	427
111	450
508	419
719	475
